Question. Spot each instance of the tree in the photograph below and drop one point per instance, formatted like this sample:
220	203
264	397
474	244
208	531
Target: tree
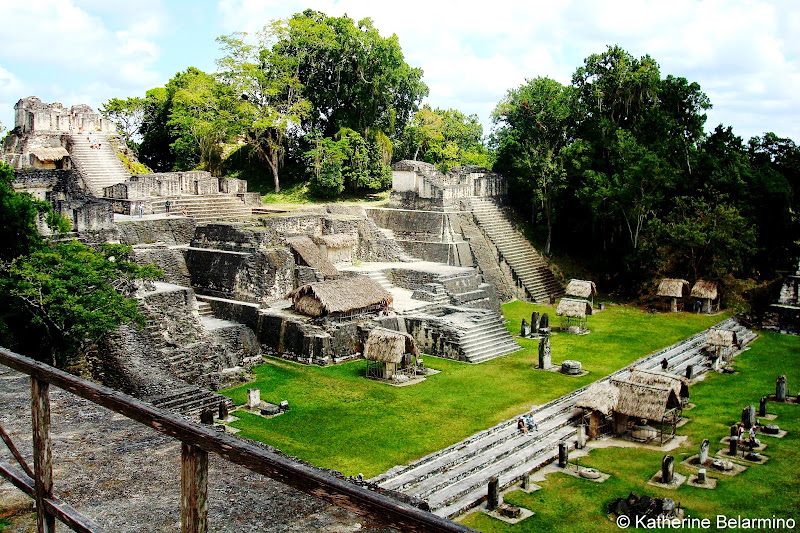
536	125
128	115
19	213
271	99
353	77
706	240
67	296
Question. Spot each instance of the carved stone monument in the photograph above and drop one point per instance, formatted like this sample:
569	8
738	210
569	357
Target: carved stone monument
733	448
253	398
563	454
762	406
544	324
207	416
493	497
535	323
664	364
701	476
545	359
689	371
667	469
703	452
581	437
749	416
571	368
780	389
223	411
525	330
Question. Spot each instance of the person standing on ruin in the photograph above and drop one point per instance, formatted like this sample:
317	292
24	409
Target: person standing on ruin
141	209
166	206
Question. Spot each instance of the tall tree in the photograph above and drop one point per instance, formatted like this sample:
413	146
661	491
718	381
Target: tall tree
128	115
536	123
271	100
353	77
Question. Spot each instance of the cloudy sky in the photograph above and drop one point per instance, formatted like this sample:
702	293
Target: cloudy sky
744	53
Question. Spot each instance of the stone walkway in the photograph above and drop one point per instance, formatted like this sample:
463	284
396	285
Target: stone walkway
454	479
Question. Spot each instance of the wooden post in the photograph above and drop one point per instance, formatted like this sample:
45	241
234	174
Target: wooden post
194	489
42	453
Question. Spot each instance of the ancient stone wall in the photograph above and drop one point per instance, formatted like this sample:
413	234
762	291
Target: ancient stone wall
170	260
435	337
251	277
169	231
234	237
31	114
241	312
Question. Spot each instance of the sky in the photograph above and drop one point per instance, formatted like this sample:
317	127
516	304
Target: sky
745	54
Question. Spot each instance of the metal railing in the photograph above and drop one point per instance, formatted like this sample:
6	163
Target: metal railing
197	442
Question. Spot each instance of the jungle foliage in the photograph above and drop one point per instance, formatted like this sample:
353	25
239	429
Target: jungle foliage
617	170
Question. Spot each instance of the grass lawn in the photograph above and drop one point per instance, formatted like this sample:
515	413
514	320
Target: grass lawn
341	420
568	504
298	194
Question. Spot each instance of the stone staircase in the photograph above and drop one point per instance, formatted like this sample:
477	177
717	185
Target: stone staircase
99	168
191	400
526	263
204	309
204	208
454	479
380	278
486	338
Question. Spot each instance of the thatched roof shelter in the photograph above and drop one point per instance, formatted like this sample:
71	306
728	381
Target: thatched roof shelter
50	154
310	254
599	396
388	346
654	378
722	337
704	290
339	240
338	296
642	401
580	288
573	308
673	288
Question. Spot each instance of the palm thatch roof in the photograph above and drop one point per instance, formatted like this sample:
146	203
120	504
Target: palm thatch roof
338	296
722	337
654	378
573	308
581	288
50	154
704	289
642	401
311	255
599	396
388	346
673	288
339	240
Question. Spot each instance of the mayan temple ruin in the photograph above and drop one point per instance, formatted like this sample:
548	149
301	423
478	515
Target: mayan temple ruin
326	284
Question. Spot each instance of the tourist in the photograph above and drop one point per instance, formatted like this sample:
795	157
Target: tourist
521	426
133	209
166	207
141	209
183	211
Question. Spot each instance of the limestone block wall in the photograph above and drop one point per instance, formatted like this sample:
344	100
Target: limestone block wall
170	231
174	311
434	337
241	312
413	224
300	224
234	237
232	186
294	338
251	277
170	260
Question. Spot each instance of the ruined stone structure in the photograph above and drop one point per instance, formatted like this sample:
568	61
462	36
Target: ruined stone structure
458	219
784	316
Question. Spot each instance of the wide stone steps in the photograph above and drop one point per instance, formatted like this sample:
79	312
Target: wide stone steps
526	263
191	400
204	208
486	339
454	479
99	167
204	309
380	278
